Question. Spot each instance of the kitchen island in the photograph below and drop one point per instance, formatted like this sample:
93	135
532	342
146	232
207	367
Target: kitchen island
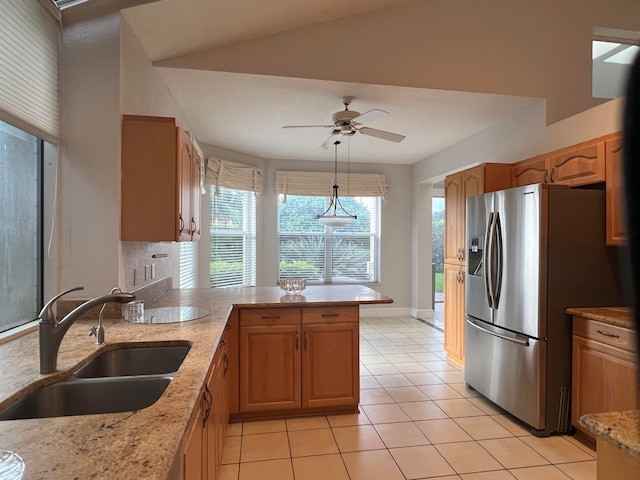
146	444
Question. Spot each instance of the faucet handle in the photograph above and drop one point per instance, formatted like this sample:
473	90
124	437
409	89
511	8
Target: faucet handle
46	314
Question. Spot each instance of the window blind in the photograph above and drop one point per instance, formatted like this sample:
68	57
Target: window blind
321	184
188	265
223	173
233	238
29	68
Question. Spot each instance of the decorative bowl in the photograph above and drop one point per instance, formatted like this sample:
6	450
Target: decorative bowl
293	285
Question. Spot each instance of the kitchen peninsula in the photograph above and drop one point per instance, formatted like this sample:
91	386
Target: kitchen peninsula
146	444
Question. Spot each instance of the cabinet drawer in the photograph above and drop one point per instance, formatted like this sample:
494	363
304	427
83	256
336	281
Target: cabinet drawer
269	316
330	314
613	335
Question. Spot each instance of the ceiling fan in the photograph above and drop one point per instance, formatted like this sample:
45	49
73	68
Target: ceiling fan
349	122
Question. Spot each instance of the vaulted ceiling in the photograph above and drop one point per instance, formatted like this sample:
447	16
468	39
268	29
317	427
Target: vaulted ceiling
443	69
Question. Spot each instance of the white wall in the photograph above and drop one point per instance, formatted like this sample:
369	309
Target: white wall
88	227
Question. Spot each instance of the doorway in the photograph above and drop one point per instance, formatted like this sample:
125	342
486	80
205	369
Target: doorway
437	259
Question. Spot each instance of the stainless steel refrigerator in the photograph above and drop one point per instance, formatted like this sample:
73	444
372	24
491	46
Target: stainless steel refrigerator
532	252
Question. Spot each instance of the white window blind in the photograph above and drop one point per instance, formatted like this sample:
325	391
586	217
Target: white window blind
29	67
321	183
223	173
233	238
188	265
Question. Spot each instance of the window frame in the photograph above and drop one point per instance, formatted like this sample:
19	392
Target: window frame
330	235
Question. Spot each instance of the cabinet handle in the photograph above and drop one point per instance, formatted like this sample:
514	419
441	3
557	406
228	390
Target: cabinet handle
270	317
546	176
194	225
225	360
330	315
553	174
607	334
306	340
208	398
181	224
297	340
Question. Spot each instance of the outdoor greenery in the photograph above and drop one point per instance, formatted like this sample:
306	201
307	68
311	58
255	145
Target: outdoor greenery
437	245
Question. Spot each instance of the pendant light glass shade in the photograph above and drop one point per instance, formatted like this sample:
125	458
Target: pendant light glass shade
335	215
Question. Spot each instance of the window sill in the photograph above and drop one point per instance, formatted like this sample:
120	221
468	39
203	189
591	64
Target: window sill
18	331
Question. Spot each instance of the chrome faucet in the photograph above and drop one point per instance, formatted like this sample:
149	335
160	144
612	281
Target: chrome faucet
52	331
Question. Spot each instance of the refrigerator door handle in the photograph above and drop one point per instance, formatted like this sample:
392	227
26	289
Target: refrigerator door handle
487	261
498	247
519	341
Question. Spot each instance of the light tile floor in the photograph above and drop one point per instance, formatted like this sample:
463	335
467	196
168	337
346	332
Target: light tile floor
417	420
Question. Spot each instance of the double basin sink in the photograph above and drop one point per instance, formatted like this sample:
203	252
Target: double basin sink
122	380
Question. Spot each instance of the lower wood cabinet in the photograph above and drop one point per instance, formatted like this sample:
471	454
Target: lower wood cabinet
299	358
604	370
204	438
454	314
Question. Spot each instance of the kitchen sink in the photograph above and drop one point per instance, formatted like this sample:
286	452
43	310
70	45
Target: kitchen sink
86	396
135	360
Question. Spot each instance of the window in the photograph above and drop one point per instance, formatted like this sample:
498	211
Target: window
233	238
188	265
308	249
21	262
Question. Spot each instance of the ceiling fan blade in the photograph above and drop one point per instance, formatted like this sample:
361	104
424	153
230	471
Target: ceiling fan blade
328	141
373	132
369	116
309	126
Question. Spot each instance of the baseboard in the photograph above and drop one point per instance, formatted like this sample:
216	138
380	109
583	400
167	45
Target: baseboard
371	311
424	314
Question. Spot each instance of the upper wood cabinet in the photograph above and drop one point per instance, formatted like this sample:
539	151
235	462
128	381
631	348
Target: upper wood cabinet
616	224
581	164
160	181
532	170
484	178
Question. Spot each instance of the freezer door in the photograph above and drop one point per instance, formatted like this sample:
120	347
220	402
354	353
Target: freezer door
476	294
508	369
517	260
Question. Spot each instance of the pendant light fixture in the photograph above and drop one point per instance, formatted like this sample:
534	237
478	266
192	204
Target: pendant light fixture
336	215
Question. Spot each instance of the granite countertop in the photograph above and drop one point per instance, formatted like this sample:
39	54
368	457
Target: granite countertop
619	316
620	428
143	444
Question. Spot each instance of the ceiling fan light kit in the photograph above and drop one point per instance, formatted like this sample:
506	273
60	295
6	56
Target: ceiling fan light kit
336	215
349	122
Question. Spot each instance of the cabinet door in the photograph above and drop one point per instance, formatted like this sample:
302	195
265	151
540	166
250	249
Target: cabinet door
214	421
578	166
454	312
269	367
527	172
453	213
193	452
196	166
616	225
473	182
149	183
604	380
185	164
330	365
